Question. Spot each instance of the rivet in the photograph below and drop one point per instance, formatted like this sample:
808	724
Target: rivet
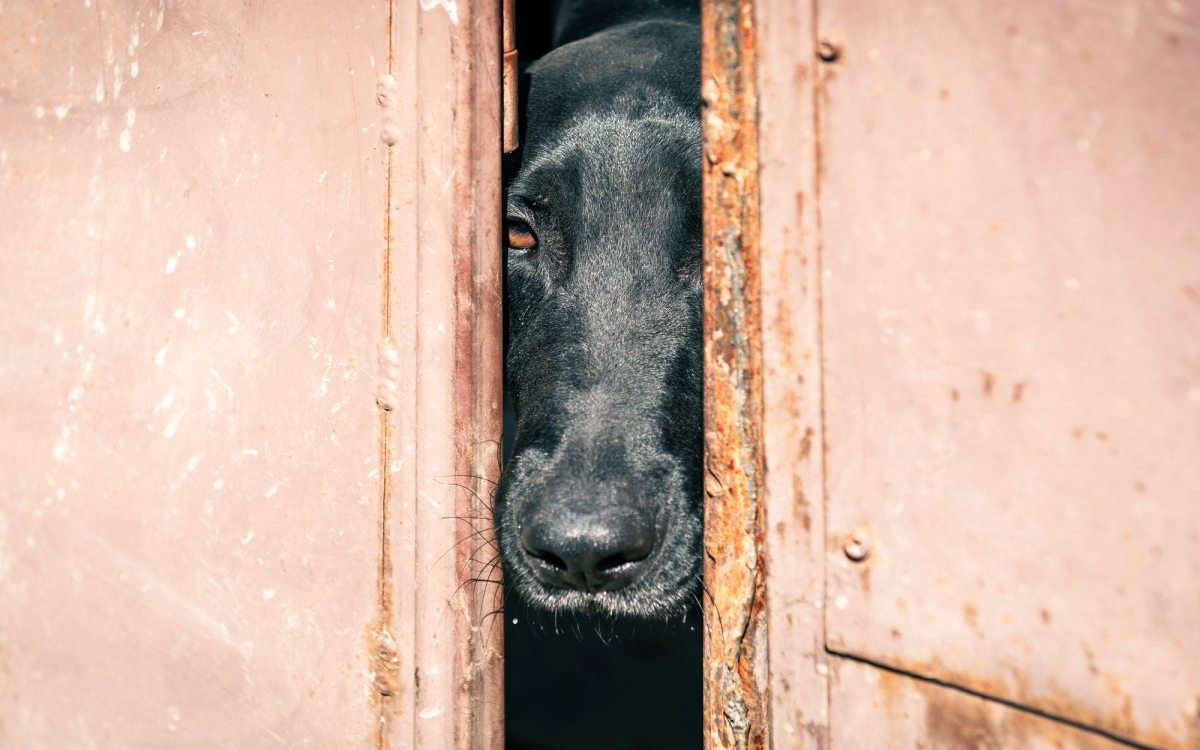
857	546
829	51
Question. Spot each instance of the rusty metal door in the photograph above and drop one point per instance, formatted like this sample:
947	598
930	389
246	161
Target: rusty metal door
249	390
1012	354
979	401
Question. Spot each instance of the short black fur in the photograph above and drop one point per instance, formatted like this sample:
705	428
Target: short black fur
604	359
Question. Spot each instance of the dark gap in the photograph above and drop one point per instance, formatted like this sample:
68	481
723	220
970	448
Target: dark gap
574	683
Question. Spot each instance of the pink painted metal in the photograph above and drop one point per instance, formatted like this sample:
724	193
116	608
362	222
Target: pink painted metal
1011	296
442	451
196	203
192	220
874	708
788	73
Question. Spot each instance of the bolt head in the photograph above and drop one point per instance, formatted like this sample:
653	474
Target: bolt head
857	545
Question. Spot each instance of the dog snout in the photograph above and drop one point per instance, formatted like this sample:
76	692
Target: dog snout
592	552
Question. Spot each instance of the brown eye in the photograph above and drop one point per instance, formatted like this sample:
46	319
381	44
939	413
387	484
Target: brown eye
520	235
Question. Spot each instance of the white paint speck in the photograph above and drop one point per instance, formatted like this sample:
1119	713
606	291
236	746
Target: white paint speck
217	485
61	110
193	462
268	594
133	69
171	263
172	426
167	400
451	7
39	111
271	491
179	313
190	241
217	376
62	446
841	601
126	138
249	536
234	323
430	713
160	357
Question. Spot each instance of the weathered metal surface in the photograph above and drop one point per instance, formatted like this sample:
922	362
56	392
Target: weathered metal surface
442	449
191	206
735	659
874	709
508	93
1011	297
787	71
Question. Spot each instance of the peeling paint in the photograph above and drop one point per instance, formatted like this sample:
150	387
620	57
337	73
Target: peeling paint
451	7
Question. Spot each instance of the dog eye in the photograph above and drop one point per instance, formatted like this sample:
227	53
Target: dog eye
520	235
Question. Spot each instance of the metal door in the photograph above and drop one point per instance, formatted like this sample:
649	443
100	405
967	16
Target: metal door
979	264
249	391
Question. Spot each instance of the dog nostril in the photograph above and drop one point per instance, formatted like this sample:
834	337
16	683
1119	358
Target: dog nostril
612	562
549	558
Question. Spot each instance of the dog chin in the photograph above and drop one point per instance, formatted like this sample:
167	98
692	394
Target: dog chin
643	602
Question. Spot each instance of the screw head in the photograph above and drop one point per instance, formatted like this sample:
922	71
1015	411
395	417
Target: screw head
828	50
857	545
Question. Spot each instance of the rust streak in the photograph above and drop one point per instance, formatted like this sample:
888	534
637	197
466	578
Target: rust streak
477	371
382	654
735	610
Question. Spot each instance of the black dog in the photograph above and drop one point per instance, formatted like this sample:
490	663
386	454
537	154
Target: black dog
600	506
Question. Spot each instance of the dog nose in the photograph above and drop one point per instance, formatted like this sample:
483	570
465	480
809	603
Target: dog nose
590	553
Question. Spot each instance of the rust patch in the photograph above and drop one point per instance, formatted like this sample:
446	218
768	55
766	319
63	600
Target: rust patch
1018	391
385	662
988	382
971	615
735	668
1052	714
864	577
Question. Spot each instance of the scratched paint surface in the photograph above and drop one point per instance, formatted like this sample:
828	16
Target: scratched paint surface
873	708
192	207
443	685
1011	304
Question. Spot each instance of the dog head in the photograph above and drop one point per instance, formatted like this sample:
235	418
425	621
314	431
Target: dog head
600	507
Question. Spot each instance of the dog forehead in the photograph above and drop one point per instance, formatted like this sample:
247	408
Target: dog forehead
660	57
615	155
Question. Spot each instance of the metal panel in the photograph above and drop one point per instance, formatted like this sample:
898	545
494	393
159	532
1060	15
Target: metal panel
442	688
874	709
788	80
244	467
735	658
1011	300
191	200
